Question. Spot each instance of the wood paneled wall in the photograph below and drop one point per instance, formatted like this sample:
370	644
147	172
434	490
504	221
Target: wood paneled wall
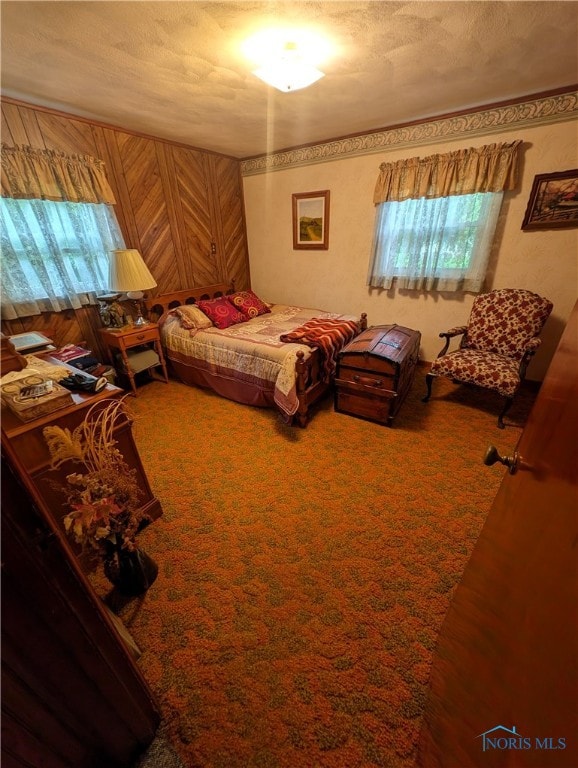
181	207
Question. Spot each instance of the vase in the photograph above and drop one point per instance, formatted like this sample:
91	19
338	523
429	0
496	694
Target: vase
131	571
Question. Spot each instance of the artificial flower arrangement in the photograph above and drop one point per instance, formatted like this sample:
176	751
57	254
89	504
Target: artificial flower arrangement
104	514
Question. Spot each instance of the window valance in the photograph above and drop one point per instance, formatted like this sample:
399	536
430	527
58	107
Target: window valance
491	168
46	174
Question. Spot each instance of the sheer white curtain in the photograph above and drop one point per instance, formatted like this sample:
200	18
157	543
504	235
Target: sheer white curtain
54	254
436	217
439	244
57	226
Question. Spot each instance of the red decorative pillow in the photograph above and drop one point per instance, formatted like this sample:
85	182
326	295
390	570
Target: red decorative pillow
248	303
221	312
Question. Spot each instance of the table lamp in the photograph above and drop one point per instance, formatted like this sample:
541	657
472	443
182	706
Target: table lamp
128	273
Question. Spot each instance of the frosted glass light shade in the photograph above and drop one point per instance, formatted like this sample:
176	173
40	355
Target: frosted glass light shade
128	272
287	57
287	75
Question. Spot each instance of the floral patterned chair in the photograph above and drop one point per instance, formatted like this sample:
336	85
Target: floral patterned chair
496	345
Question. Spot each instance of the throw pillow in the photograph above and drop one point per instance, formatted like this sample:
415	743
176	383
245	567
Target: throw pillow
248	303
191	317
221	311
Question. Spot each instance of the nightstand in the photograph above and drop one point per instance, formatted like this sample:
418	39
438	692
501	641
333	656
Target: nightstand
129	337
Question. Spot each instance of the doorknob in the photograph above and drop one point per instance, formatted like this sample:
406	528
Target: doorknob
492	456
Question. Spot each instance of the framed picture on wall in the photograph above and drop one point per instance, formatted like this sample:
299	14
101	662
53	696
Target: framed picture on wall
553	201
311	221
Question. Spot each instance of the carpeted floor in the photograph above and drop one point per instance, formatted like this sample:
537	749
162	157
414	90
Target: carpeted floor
160	754
304	574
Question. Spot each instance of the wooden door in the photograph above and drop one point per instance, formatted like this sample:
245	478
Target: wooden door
504	684
72	696
229	212
190	179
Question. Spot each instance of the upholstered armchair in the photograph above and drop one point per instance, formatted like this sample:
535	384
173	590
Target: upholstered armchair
496	345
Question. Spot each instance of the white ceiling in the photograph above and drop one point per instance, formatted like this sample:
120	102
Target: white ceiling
175	70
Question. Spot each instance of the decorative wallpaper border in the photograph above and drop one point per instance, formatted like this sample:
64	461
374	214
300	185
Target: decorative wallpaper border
533	112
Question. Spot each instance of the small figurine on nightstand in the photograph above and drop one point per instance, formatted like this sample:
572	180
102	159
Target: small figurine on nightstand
111	312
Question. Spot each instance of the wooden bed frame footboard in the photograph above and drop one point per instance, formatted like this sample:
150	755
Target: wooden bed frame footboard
309	384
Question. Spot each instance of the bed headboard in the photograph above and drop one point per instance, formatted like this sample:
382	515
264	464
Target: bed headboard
157	305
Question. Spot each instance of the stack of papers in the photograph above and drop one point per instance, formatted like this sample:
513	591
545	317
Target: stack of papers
37	367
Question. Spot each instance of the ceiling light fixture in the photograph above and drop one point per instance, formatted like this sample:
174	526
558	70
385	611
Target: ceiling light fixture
287	58
289	71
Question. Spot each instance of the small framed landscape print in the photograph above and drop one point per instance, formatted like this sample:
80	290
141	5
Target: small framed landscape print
311	221
553	201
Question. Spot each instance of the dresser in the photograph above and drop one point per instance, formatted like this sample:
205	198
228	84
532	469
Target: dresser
29	446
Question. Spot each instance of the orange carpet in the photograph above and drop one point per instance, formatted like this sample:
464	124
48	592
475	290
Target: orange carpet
304	574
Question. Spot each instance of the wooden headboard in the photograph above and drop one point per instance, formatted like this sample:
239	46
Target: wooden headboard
157	305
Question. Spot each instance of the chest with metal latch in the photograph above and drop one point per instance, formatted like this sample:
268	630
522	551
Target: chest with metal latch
375	372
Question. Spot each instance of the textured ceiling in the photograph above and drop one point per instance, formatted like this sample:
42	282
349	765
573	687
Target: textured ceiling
175	70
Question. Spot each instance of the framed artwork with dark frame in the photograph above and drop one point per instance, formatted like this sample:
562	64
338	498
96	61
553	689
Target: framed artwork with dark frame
311	221
553	201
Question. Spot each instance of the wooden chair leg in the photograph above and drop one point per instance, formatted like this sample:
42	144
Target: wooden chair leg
505	409
428	380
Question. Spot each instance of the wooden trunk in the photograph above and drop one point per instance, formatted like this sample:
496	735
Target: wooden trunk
375	372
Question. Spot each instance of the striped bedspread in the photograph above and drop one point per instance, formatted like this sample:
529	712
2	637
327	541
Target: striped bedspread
330	336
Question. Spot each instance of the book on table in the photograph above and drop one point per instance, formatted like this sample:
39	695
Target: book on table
31	341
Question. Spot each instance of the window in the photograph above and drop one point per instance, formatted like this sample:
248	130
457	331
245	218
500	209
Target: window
436	217
54	254
440	243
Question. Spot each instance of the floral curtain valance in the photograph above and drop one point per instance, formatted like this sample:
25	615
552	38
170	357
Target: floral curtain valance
45	174
492	168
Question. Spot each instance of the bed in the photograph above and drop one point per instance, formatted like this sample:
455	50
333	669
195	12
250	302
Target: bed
247	362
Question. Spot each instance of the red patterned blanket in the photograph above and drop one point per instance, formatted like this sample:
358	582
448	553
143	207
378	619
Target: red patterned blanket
330	336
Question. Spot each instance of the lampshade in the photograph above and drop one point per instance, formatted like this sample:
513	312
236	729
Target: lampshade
127	272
